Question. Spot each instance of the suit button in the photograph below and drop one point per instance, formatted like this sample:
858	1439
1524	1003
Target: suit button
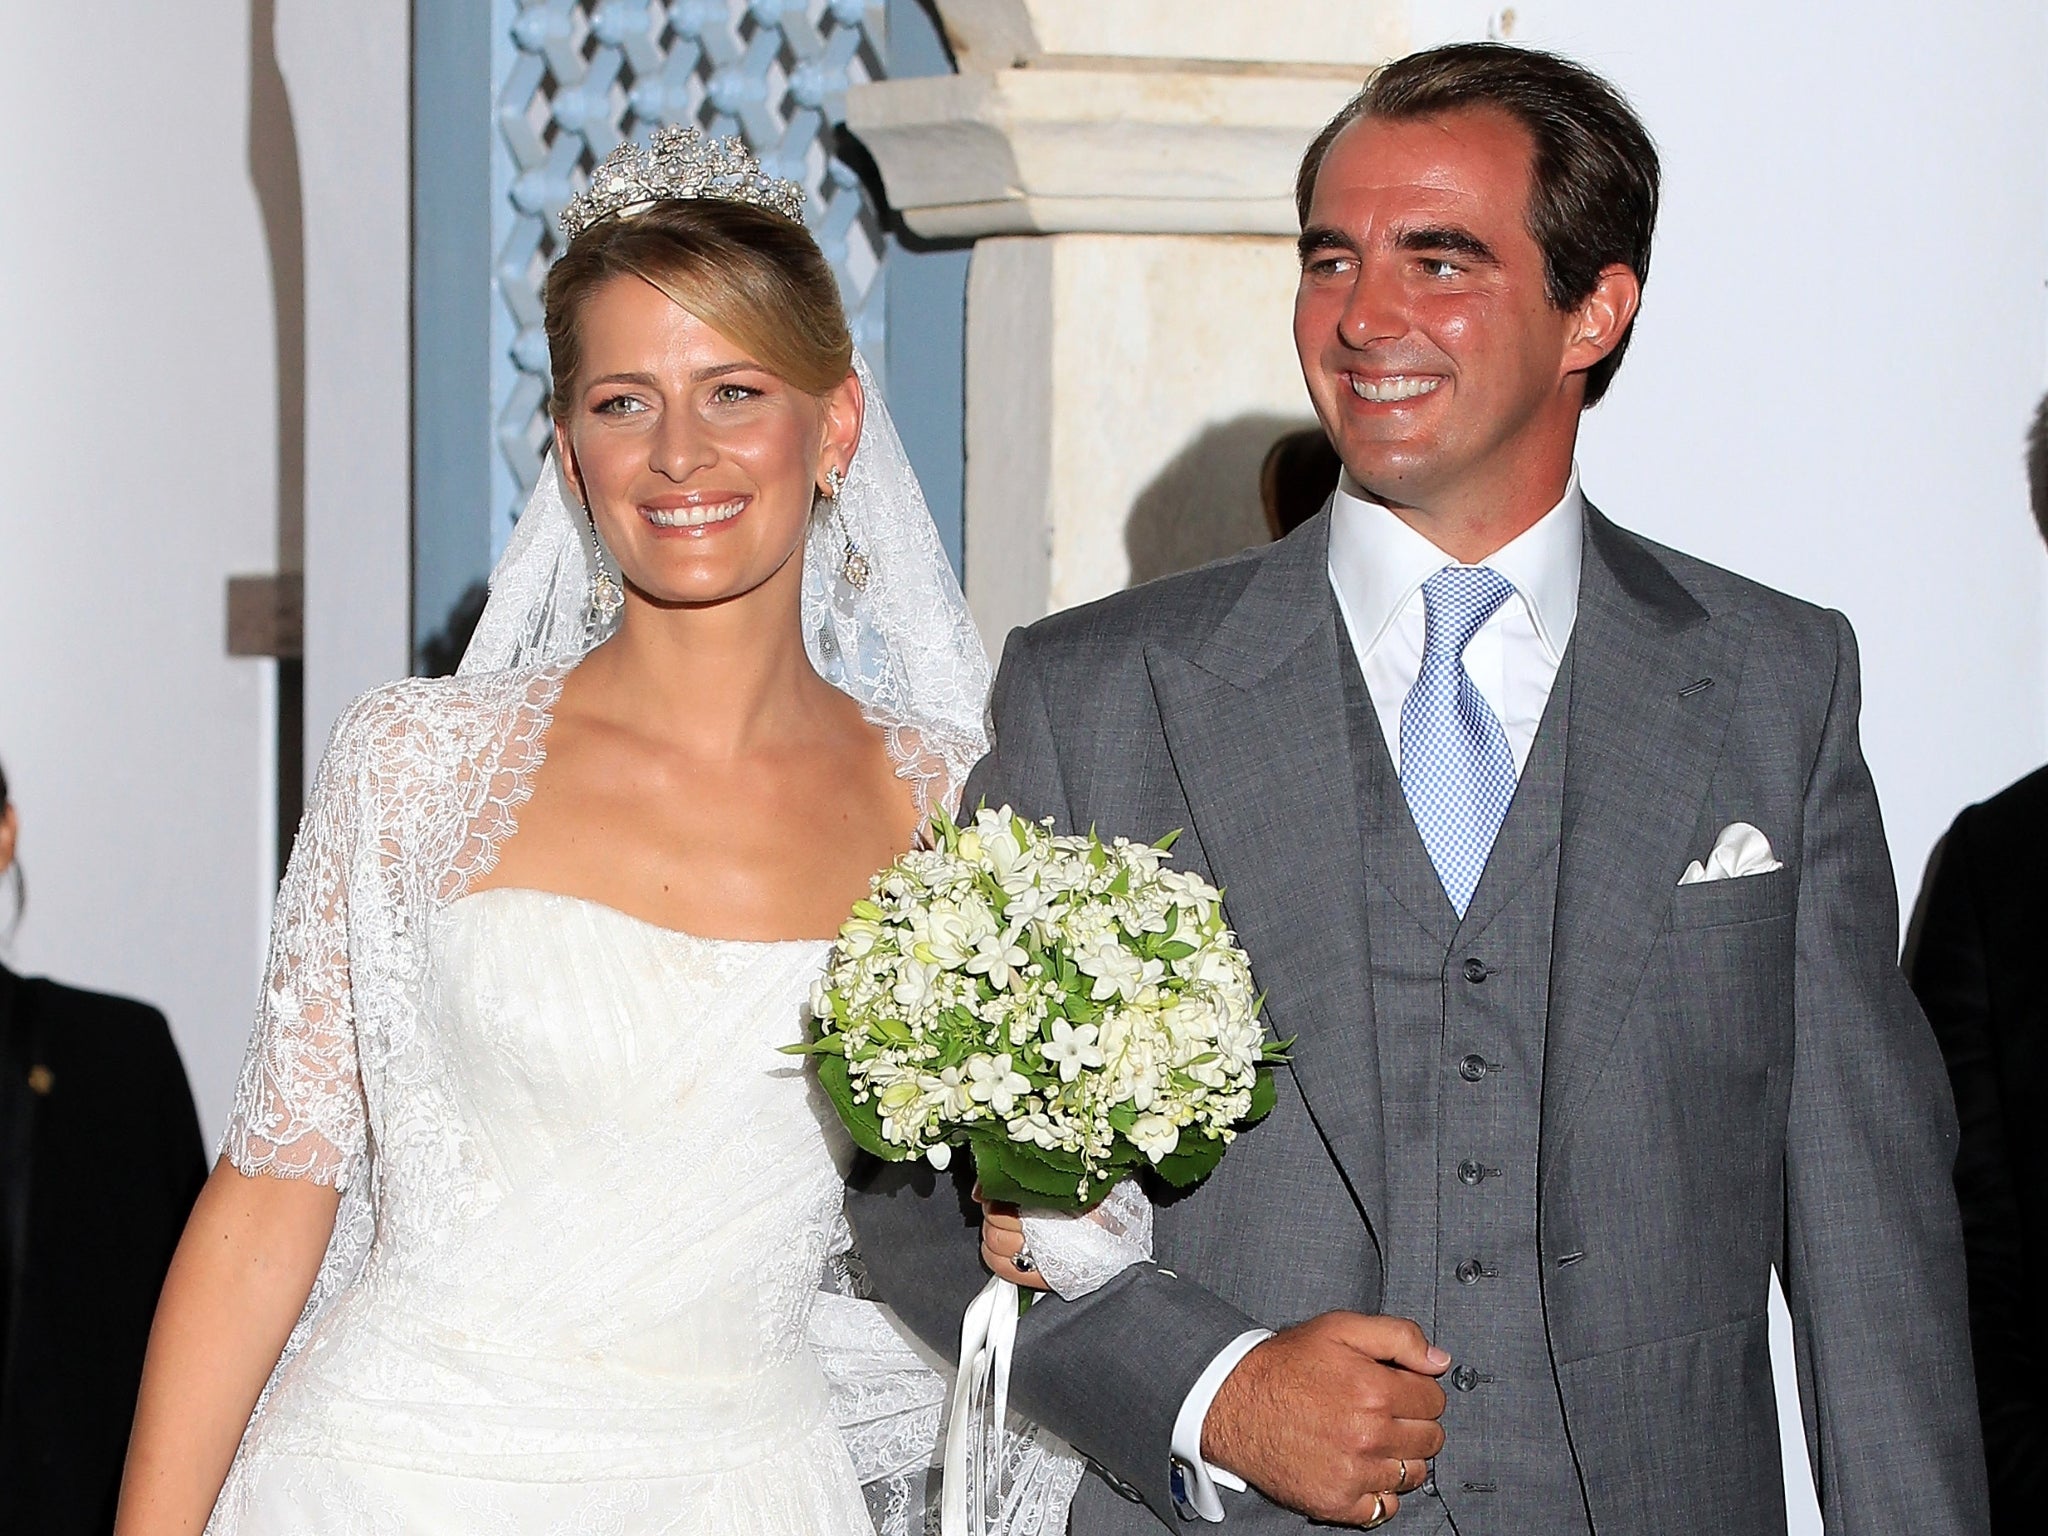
1472	1068
1469	1172
1468	1272
1476	971
1464	1378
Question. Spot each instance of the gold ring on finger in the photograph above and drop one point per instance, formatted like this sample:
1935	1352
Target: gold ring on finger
1379	1512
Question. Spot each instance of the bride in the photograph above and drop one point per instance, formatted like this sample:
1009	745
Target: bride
522	1223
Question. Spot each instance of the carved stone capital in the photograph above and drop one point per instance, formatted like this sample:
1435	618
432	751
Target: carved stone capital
988	35
1141	117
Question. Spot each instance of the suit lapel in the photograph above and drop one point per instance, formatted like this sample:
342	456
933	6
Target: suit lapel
1644	739
1254	719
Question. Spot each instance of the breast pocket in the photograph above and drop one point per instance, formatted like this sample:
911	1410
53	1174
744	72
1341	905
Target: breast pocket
1729	955
1740	899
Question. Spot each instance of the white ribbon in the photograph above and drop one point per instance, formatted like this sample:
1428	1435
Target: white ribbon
973	1465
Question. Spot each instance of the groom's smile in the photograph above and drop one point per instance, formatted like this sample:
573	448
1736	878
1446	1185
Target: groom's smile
1447	380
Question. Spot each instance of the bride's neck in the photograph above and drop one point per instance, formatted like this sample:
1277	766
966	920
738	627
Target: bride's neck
721	676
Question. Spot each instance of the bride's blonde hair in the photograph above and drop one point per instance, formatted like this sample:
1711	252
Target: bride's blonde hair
756	278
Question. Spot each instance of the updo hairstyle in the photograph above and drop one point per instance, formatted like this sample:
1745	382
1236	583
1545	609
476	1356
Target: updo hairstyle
756	278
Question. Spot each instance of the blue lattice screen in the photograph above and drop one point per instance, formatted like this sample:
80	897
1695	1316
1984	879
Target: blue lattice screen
573	78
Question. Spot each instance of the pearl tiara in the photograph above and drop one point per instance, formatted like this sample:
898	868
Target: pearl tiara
678	162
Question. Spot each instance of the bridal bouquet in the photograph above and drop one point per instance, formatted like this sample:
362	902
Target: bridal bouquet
1068	1010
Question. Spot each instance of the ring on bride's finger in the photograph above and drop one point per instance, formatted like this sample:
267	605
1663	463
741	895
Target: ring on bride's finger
1022	1262
1379	1512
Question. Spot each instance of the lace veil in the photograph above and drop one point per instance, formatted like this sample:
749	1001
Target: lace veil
904	646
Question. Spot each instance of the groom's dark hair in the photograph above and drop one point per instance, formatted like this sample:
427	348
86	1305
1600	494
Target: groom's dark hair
1596	175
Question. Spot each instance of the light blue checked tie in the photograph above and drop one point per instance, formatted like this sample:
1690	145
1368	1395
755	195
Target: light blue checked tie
1456	769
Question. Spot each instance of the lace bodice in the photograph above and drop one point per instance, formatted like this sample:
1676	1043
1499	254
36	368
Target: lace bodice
613	1239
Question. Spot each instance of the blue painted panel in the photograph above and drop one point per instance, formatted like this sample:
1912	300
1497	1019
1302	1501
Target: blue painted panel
451	323
574	78
927	318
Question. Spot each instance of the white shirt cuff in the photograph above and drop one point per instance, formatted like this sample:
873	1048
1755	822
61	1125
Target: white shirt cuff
1195	1481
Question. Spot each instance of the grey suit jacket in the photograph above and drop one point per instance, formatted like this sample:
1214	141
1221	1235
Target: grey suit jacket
1735	1074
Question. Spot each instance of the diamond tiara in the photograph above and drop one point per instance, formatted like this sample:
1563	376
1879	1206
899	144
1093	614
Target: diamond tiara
679	162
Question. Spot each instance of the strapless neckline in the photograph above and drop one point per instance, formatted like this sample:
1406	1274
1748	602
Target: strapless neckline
589	904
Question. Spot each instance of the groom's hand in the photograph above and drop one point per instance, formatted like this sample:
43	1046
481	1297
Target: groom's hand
1321	1416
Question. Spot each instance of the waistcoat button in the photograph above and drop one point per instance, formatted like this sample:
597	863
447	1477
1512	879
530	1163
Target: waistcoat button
1476	971
1467	1272
1469	1172
1472	1068
1464	1378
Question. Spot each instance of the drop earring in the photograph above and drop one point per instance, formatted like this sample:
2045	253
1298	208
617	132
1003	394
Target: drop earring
606	596
853	565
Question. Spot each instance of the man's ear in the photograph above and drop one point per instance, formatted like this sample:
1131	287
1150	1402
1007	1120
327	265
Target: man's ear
10	828
1601	318
565	455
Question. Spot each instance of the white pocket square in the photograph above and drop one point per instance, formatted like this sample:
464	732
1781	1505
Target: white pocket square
1740	850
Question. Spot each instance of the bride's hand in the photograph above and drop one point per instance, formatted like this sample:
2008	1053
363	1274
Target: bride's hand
1002	1241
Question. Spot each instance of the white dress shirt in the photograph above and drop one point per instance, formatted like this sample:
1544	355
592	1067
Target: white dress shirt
1377	567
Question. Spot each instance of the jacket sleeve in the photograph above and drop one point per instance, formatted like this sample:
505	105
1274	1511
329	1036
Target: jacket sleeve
1108	1373
1874	1272
1950	973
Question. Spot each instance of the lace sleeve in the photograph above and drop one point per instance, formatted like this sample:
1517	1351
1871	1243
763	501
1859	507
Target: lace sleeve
299	1109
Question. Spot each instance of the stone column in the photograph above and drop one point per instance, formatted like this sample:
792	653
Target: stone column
1127	173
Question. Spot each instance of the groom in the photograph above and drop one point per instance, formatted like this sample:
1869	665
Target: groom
1555	853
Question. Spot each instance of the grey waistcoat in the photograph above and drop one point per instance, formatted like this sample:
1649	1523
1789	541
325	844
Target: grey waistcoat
1461	1010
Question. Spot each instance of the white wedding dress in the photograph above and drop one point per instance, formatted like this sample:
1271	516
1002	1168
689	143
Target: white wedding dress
629	1214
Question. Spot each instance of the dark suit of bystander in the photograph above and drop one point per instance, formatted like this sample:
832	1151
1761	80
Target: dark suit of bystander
1976	967
100	1161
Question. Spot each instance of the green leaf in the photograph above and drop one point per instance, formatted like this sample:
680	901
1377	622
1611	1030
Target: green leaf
1191	1162
1121	885
895	1031
1017	1175
863	1121
1179	949
1165	844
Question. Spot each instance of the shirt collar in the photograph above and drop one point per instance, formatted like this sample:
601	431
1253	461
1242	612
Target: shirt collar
1377	562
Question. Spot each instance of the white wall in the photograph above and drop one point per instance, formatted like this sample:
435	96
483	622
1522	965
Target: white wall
138	420
348	71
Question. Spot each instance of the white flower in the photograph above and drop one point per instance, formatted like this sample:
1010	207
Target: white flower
951	1091
1116	970
939	1155
1036	1129
1071	1049
992	1082
913	989
859	937
943	935
998	957
1155	1136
